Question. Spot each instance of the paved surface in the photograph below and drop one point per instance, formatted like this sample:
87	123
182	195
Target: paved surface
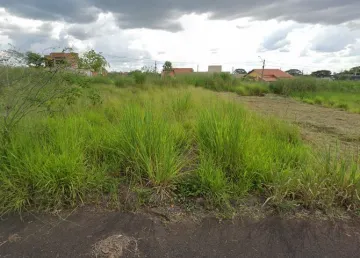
76	235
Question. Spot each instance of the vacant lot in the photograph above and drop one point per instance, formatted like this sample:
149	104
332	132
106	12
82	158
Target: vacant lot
344	95
322	127
139	140
174	147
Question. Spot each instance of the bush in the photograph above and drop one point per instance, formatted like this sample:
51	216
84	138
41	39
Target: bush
299	85
100	80
343	106
139	77
77	79
318	100
123	81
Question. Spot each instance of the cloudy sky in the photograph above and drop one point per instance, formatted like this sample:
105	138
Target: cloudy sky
303	34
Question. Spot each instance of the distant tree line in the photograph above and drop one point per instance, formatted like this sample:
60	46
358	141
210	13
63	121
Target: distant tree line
351	74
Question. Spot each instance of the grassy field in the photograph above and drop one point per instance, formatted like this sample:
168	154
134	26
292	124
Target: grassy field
216	82
166	144
336	94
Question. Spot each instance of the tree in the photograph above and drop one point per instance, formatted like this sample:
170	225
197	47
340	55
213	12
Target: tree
355	70
294	72
240	71
167	67
34	59
24	91
321	73
148	69
94	61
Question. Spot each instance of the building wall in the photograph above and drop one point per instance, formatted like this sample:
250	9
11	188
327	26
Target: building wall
239	75
254	75
214	68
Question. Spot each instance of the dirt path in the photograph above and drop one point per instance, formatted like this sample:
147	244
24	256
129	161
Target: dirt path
137	235
321	126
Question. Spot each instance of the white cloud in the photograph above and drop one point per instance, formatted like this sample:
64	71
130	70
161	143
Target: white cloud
202	41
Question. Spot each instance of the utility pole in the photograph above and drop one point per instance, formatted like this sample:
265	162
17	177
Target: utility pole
263	67
155	67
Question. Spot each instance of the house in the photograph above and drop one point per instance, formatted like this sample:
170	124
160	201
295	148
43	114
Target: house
214	69
268	75
68	59
177	71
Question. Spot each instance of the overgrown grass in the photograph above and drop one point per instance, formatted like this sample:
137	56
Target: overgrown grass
224	82
336	94
216	82
178	144
343	100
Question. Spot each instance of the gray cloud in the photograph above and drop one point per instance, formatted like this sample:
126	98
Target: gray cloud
241	27
278	39
354	49
304	52
353	25
80	33
333	39
37	40
284	50
78	11
160	14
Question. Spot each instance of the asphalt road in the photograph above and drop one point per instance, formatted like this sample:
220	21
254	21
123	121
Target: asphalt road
77	234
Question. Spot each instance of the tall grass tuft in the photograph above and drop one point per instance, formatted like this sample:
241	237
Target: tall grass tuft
150	148
46	167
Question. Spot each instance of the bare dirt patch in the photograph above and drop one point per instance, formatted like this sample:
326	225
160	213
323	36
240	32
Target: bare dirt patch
115	246
320	126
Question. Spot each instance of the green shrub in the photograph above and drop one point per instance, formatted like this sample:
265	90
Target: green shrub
318	100
139	77
123	81
299	85
256	89
343	106
77	79
331	103
100	80
309	101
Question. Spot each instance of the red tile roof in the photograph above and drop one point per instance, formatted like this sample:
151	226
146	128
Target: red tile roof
272	74
176	71
183	70
64	55
268	78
